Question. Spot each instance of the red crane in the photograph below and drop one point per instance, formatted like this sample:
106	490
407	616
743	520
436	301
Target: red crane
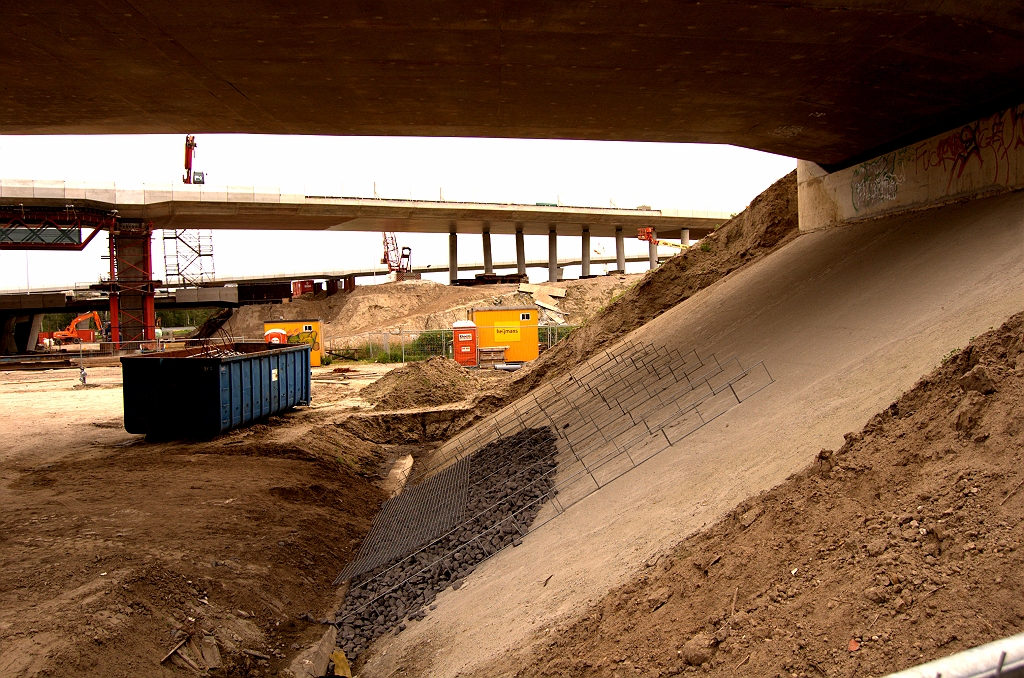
191	177
398	261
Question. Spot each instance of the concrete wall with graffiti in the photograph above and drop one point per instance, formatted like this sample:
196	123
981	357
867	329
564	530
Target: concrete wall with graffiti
982	158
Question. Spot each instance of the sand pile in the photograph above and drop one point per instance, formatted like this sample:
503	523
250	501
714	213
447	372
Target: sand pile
412	305
769	222
433	382
899	547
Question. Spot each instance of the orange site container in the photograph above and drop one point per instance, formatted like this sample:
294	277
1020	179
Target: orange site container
464	342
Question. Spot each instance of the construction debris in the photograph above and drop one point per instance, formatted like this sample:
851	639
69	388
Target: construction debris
545	296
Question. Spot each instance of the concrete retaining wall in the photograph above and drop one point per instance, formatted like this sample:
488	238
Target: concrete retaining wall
982	158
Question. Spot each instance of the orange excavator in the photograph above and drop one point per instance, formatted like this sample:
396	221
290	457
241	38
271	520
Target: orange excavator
70	334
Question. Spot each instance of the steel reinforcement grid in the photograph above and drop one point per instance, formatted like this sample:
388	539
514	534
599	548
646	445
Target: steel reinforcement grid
626	406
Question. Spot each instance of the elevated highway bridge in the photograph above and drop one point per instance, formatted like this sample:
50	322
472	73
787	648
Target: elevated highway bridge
888	107
829	81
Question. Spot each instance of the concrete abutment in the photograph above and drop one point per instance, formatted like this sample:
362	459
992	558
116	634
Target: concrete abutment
979	159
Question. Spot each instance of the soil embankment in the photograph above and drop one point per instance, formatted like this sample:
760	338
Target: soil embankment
416	305
115	549
766	224
901	546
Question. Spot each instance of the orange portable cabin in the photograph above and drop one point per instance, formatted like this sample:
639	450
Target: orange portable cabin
296	332
464	342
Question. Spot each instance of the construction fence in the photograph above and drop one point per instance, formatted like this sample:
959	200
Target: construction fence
401	346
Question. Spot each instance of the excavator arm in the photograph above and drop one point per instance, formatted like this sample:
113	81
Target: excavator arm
71	332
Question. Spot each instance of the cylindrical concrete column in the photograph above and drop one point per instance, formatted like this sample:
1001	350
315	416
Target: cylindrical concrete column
488	261
652	252
520	250
552	255
453	255
684	237
620	250
585	253
36	328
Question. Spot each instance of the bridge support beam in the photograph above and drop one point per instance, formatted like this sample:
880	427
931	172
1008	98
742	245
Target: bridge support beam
520	250
684	237
552	254
453	255
585	253
652	253
488	261
132	303
33	332
620	250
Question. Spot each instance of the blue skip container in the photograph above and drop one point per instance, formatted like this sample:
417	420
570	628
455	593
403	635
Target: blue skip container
202	391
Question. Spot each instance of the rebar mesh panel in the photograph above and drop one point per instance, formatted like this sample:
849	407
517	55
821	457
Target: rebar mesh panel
415	517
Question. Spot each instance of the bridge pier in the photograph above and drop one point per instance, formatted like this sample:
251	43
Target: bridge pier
552	254
33	333
684	237
488	261
19	333
453	255
132	303
585	253
520	250
620	250
652	253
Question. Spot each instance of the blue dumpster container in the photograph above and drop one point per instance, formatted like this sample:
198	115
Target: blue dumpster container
200	392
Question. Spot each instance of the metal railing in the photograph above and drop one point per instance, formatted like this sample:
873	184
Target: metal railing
101	349
1003	658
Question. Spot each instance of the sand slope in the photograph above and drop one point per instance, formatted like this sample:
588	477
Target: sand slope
846	320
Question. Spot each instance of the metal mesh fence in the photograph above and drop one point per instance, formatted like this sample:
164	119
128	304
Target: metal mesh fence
414	345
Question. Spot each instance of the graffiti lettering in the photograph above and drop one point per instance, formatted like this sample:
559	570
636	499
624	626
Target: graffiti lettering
878	181
989	140
986	144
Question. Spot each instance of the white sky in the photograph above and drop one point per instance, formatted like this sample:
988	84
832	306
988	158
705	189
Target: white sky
583	173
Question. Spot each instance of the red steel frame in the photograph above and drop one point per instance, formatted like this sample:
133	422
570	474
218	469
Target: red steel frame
141	284
64	221
129	275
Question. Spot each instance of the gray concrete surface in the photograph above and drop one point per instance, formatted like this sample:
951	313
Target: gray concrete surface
846	319
824	80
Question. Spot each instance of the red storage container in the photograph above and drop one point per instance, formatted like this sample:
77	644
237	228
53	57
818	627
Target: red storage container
300	287
464	341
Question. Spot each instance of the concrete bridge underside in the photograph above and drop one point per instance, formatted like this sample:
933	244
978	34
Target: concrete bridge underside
823	80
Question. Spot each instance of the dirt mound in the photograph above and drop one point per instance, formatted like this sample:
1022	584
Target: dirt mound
117	549
326	444
769	222
897	548
414	304
433	382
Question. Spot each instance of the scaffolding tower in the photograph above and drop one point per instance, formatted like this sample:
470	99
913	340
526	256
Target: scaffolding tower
188	257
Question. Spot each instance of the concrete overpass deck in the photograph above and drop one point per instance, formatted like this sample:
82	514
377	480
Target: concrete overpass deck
247	207
830	81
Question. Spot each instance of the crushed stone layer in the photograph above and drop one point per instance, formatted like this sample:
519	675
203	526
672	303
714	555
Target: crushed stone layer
507	482
846	319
